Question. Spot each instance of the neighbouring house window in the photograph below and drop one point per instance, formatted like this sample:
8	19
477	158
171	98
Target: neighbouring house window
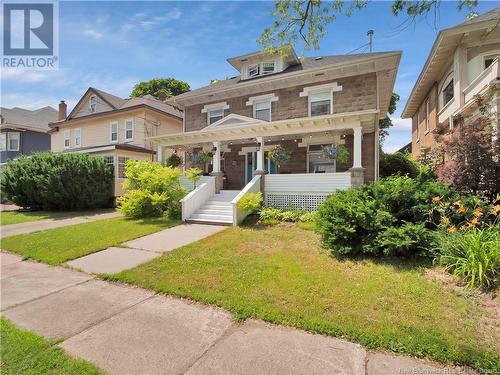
320	103
122	164
3	141
417	127
110	161
114	132
317	162
263	110
66	139
93	103
267	68
427	113
254	70
488	60
448	93
215	115
78	137
13	141
129	130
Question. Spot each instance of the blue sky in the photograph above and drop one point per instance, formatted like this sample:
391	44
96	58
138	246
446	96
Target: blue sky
113	45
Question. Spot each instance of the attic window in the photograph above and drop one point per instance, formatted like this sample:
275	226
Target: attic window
254	70
93	103
267	68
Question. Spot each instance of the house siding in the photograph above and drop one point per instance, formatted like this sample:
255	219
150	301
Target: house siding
358	93
421	139
29	142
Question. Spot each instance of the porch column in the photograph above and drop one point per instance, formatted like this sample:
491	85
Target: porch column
260	170
159	154
216	172
357	170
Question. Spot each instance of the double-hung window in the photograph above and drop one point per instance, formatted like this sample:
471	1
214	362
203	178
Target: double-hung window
3	141
13	141
320	103
262	110
129	130
215	115
66	135
93	103
427	116
254	70
78	137
448	93
113	132
267	68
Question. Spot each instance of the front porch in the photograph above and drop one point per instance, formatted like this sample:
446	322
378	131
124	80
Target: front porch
239	148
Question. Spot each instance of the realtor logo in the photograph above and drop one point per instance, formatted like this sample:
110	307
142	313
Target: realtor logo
30	35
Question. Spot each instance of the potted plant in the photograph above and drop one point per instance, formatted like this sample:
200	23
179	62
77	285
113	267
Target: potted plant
279	155
173	161
335	152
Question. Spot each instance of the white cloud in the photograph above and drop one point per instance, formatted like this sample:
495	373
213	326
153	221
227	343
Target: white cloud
91	33
173	14
25	76
401	123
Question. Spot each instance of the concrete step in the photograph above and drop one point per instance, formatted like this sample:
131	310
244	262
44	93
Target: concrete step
217	207
209	222
211	217
214	211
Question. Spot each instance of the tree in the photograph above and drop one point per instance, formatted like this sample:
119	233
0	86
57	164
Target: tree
472	151
157	86
386	122
308	20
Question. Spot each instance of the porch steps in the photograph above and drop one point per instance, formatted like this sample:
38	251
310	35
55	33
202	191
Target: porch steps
217	210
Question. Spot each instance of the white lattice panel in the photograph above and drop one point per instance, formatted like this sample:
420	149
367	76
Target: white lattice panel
305	202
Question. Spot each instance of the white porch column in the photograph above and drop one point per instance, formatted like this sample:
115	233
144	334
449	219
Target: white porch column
159	154
356	159
216	158
260	155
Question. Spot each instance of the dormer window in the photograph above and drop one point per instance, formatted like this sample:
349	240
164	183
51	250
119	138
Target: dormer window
254	71
267	68
93	104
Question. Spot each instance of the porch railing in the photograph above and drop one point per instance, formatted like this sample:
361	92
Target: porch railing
252	187
196	198
303	191
189	185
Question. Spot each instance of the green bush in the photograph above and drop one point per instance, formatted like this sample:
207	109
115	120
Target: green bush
473	255
58	181
397	163
173	161
388	217
151	190
271	216
308	217
250	202
193	174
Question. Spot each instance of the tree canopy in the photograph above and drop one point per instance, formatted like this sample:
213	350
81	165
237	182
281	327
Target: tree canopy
156	86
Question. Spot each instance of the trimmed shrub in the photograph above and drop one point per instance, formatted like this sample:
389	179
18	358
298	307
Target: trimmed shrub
250	202
151	190
388	217
272	216
473	255
397	163
58	181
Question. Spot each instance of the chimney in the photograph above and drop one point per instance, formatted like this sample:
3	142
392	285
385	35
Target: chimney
62	111
162	96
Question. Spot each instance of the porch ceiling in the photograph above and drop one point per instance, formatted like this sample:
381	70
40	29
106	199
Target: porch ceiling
339	121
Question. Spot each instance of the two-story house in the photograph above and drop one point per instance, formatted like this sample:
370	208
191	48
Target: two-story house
24	131
114	128
303	105
463	62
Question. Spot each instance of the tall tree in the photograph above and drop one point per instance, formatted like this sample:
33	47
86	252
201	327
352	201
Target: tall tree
386	122
308	20
157	86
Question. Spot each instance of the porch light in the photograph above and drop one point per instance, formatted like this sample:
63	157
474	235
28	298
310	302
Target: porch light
214	149
258	146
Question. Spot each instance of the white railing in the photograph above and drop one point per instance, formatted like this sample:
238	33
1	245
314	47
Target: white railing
482	81
252	187
189	185
196	198
304	191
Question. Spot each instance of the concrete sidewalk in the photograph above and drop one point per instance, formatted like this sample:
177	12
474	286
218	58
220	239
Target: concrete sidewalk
143	249
38	225
128	330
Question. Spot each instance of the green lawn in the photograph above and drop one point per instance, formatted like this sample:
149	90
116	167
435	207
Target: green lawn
26	353
16	217
282	275
55	246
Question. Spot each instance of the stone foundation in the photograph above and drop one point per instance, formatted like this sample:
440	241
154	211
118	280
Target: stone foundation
357	176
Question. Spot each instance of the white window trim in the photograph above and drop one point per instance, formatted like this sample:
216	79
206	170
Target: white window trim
90	104
111	132
270	109
267	98
18	141
78	135
132	122
214	107
418	125
3	141
445	84
427	114
488	55
66	137
328	87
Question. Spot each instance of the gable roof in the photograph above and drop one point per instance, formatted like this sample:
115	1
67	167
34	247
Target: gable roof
445	44
37	120
120	104
232	120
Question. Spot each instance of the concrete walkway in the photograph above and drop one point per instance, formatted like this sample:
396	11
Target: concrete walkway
138	251
128	330
38	225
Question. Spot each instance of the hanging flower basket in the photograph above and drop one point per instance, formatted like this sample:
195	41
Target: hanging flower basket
336	152
279	155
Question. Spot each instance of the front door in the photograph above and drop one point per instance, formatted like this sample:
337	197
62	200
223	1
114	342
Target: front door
251	165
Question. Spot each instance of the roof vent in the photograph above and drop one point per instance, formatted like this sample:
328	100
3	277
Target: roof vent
318	58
